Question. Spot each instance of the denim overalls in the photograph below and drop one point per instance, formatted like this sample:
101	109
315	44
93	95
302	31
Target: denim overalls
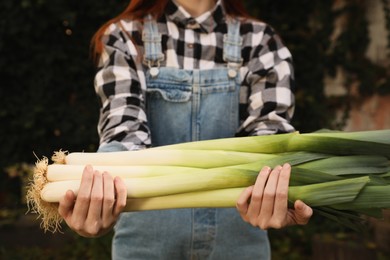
184	106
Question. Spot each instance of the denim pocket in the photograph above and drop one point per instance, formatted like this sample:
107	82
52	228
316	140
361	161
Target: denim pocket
220	86
170	84
169	94
217	81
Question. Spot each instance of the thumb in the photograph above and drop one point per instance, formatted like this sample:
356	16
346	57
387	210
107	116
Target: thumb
302	212
66	204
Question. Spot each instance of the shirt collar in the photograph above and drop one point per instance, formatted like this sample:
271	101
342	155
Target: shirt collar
204	23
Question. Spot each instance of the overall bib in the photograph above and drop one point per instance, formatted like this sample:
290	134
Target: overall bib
182	106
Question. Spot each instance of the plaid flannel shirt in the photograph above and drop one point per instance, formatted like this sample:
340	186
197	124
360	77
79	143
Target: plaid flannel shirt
266	96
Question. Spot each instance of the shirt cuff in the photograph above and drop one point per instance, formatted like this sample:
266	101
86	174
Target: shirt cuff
114	146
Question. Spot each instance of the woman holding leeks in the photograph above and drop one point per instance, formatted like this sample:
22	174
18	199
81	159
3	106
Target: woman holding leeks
174	71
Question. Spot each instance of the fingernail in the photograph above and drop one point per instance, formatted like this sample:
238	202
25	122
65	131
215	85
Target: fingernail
266	169
299	205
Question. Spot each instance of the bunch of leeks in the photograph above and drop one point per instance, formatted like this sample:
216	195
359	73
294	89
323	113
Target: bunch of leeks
342	175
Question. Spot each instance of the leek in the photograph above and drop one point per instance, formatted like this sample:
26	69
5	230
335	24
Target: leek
341	175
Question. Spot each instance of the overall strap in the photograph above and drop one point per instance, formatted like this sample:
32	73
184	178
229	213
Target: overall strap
152	43
232	44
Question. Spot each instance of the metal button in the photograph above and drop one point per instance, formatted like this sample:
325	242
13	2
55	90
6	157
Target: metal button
232	73
190	45
154	72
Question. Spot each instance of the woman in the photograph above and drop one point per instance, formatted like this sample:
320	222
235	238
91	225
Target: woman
178	71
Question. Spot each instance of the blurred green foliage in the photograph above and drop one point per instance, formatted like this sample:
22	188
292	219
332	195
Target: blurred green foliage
48	101
47	96
72	247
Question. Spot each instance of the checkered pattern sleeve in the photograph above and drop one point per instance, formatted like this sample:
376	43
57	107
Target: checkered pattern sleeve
117	83
266	92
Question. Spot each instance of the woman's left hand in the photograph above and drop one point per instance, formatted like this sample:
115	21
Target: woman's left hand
265	204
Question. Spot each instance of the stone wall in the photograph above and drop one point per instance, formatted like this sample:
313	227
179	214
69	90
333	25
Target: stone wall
369	113
373	112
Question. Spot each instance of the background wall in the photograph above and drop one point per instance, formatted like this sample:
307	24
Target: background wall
367	112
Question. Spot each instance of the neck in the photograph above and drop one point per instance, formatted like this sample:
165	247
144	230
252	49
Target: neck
196	7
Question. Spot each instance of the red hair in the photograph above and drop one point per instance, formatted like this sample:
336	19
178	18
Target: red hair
138	9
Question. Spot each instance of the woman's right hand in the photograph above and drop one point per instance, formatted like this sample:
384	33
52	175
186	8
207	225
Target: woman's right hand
97	206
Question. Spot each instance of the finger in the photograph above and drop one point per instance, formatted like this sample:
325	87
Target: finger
66	205
121	196
95	205
267	206
83	197
243	200
109	199
281	198
257	193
